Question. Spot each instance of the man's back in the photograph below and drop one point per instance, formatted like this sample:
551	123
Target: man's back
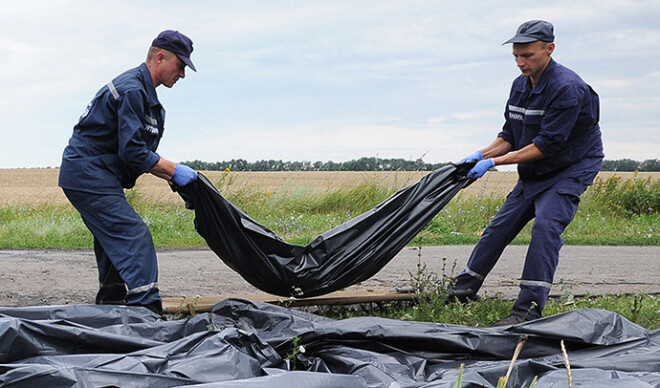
116	137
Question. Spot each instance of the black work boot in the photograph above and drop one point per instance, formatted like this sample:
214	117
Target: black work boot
462	296
514	318
156	307
111	295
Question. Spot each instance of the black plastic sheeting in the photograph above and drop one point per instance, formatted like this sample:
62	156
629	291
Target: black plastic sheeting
243	343
347	254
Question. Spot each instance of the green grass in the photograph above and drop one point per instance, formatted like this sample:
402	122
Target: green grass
432	306
612	212
643	310
42	227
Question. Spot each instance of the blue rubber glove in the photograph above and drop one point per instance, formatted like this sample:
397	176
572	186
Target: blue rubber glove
480	168
475	157
183	175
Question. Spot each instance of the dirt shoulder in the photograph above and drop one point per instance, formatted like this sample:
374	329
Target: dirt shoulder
38	277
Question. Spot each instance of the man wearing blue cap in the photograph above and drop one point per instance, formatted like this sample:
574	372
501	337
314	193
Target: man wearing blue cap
113	143
551	132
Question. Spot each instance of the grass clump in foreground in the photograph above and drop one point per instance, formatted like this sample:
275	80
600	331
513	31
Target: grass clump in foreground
612	212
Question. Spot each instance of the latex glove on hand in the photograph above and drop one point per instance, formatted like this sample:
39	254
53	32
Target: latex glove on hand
183	175
475	157
480	168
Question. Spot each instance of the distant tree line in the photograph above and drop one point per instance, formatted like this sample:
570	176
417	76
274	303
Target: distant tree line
378	164
362	164
631	165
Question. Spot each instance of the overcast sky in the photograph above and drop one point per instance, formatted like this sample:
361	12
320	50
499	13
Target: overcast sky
321	80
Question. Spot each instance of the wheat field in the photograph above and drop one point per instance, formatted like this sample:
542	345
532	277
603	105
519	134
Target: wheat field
30	187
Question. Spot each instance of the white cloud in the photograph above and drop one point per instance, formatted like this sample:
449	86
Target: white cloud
320	80
631	150
476	114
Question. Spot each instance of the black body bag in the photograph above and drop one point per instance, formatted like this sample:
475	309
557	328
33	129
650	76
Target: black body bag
343	256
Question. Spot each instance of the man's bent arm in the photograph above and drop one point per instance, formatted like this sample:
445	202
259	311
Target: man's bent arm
528	153
496	148
163	169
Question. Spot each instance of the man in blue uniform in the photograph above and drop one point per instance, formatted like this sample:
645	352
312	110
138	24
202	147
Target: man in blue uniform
551	131
114	143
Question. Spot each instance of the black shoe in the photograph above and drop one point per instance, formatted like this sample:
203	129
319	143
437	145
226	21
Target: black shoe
462	296
513	318
156	307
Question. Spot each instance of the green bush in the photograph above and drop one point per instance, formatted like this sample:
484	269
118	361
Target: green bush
631	196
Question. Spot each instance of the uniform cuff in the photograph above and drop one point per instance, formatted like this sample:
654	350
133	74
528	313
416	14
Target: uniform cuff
150	162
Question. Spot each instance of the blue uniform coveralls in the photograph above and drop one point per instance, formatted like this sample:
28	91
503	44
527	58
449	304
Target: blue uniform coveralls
560	116
113	143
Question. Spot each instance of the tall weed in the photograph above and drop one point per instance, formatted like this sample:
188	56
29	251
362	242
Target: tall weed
631	197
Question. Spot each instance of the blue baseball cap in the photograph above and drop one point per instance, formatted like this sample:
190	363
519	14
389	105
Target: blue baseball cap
532	31
176	43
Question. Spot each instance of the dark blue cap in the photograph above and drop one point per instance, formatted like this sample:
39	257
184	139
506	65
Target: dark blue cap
532	31
176	43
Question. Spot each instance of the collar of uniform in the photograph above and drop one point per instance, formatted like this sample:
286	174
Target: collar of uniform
545	76
149	85
526	85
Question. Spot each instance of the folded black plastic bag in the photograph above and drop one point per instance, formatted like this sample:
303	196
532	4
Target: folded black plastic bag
345	255
245	343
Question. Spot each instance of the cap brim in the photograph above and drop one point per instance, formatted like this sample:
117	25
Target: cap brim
520	39
188	62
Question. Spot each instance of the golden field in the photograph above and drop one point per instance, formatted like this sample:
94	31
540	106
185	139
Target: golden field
39	186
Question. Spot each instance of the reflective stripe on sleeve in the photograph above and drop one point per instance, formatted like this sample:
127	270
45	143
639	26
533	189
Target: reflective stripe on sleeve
113	90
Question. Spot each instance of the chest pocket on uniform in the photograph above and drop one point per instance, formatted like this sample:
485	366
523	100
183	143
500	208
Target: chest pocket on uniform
533	117
532	123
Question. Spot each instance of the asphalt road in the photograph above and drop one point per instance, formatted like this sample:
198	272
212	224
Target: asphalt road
66	277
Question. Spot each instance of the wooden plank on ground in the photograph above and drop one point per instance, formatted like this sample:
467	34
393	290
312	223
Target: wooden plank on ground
205	303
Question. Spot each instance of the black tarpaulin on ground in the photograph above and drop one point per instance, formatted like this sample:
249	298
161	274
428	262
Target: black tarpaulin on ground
348	254
247	344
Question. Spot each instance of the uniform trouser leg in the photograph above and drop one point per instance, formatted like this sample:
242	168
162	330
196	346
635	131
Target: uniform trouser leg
112	289
555	209
515	213
123	244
